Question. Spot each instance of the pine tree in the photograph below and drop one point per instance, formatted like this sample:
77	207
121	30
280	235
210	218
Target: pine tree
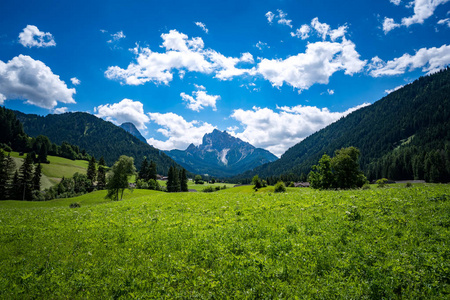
101	174
15	190
37	178
26	178
152	171
143	172
3	176
184	181
170	180
92	171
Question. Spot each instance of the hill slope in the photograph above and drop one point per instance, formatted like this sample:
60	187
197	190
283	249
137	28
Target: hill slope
416	115
96	136
221	155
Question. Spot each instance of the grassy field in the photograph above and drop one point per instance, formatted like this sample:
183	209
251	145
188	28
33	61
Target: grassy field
359	244
57	168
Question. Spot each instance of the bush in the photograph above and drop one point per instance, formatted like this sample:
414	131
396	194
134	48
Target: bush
209	189
291	184
75	205
224	187
217	188
280	187
382	182
408	184
365	187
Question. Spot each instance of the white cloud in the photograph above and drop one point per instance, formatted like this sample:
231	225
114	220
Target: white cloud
316	65
330	92
125	111
25	78
200	99
75	81
429	59
444	22
260	45
179	132
394	89
324	30
269	15
181	54
389	24
423	9
202	26
276	131
117	36
282	18
302	32
31	36
60	110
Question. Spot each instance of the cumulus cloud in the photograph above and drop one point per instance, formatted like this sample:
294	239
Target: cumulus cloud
200	99
278	130
269	15
117	36
260	45
302	32
444	22
31	36
182	54
60	110
125	111
389	24
316	65
429	59
423	9
394	89
180	133
75	81
25	78
282	18
202	26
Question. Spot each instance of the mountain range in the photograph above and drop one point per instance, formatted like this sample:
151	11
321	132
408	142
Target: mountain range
97	136
404	135
221	155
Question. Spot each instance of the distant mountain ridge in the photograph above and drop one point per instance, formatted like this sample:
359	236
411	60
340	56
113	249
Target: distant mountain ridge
130	128
97	136
395	135
221	155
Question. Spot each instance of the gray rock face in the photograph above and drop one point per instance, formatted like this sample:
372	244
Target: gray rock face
221	155
130	128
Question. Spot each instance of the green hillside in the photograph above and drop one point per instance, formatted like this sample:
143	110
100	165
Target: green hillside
96	136
415	116
380	243
58	168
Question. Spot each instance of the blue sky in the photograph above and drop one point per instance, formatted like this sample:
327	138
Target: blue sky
268	72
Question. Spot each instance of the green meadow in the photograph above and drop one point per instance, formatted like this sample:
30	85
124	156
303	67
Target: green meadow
236	243
58	168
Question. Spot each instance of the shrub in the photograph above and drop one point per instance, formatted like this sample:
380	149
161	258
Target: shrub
291	184
382	182
365	187
280	187
208	189
408	184
75	205
224	187
217	188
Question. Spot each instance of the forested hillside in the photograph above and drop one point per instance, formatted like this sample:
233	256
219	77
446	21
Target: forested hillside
405	135
98	137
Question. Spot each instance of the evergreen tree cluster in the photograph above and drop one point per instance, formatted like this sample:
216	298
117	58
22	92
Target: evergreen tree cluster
417	114
24	184
177	180
411	162
147	176
98	137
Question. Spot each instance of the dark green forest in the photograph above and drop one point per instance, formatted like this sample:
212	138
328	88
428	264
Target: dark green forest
98	137
405	135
